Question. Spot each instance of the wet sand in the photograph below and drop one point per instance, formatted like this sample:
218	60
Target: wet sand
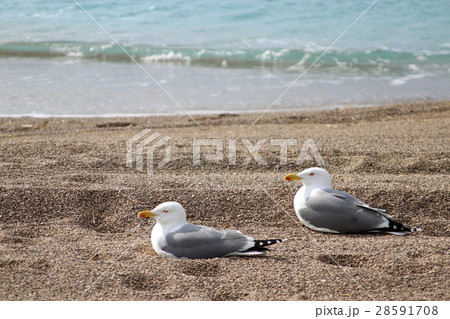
68	206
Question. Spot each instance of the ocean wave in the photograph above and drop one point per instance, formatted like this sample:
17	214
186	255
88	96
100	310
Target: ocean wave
169	56
377	61
403	80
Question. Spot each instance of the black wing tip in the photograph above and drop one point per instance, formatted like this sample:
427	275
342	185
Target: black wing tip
260	245
399	227
268	242
396	228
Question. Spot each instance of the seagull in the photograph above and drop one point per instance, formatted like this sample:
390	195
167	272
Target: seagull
173	236
322	208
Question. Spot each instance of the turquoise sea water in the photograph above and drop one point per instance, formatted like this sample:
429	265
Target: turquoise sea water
218	56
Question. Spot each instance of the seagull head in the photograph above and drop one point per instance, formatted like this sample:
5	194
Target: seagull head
314	176
166	213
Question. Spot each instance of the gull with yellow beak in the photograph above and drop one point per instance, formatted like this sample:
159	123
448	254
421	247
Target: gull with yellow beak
322	208
174	237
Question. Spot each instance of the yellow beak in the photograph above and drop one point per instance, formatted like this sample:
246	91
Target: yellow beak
292	177
146	213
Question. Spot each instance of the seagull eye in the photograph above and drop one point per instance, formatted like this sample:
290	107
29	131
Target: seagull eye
311	174
165	211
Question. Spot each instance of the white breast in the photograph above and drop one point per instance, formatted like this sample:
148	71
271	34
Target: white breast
159	239
299	203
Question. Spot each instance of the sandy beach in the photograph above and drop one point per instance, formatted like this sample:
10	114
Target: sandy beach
68	205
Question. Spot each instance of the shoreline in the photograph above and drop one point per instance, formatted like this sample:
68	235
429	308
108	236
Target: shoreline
69	203
329	115
205	113
321	108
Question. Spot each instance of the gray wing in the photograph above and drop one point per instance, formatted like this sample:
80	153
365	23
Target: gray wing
195	241
339	211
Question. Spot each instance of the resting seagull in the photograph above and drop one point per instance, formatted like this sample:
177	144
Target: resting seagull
174	237
322	208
